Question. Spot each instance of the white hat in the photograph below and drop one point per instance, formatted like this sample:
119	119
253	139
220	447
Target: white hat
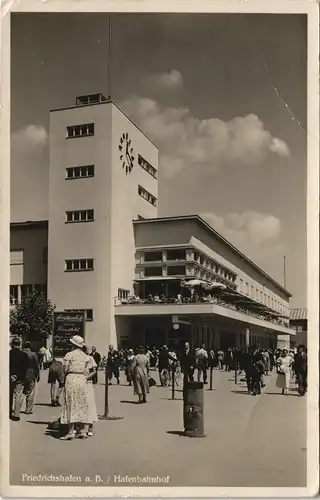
77	341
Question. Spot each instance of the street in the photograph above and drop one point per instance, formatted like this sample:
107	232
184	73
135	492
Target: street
250	441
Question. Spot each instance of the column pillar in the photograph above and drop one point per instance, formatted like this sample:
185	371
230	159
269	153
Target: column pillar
247	338
238	340
216	339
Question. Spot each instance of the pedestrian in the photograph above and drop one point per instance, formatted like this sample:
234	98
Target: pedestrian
41	353
75	408
32	377
229	359
258	371
301	369
271	359
211	359
149	356
113	365
47	358
56	379
140	375
129	366
97	358
18	364
92	368
284	363
187	362
164	363
202	363
220	359
266	360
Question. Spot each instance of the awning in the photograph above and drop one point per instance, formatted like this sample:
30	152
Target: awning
241	300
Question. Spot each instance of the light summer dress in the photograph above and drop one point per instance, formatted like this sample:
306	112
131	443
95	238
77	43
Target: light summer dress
76	402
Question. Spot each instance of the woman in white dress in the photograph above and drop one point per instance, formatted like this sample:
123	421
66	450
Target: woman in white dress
75	409
284	363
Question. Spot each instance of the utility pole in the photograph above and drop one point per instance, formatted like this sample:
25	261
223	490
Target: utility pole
284	272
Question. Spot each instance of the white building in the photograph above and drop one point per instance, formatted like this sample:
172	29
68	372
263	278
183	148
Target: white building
91	256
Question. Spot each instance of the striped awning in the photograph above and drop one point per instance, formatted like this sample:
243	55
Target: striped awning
300	313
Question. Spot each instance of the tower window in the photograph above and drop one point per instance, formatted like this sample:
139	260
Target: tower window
80	172
147	196
77	265
80	130
147	167
80	215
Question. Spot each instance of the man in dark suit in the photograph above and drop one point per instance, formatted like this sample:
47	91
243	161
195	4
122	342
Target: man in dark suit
97	357
113	365
301	369
32	377
187	362
18	363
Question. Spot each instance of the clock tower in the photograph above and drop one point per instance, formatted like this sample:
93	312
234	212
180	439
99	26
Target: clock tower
103	166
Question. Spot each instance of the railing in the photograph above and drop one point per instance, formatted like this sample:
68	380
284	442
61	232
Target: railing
203	300
18	292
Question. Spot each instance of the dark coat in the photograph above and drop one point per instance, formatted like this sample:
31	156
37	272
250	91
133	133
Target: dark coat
188	359
18	363
300	364
97	357
33	370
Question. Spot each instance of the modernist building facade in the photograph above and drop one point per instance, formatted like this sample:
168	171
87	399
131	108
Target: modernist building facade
103	243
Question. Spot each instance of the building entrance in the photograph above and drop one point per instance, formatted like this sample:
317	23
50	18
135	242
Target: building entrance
227	339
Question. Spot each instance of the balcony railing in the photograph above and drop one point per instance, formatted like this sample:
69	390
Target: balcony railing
207	300
18	292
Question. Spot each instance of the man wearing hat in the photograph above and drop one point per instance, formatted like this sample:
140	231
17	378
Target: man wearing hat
113	364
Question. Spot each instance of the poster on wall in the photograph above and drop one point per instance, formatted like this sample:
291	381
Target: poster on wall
65	326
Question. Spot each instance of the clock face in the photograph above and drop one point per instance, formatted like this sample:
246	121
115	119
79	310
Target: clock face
126	153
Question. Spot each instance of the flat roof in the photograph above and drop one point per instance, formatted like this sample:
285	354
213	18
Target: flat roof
110	101
29	223
199	220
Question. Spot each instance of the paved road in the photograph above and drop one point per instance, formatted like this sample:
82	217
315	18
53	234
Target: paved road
250	441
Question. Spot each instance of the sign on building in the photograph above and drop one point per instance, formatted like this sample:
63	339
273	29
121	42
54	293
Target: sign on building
65	326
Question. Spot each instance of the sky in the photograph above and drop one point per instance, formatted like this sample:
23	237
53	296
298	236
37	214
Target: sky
222	95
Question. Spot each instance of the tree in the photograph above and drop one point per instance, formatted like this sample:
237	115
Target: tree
33	318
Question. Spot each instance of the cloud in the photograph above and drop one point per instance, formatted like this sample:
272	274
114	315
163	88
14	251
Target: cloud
29	138
256	234
168	81
280	147
187	142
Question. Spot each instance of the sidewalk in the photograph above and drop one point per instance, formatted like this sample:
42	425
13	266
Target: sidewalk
250	441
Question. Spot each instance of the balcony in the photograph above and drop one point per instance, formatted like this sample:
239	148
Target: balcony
228	304
18	292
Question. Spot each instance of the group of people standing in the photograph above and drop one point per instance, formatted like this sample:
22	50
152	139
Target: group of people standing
24	372
257	363
75	375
